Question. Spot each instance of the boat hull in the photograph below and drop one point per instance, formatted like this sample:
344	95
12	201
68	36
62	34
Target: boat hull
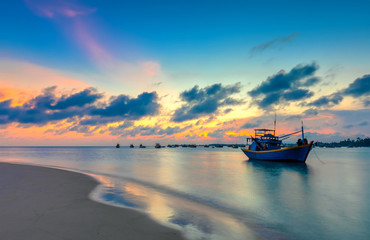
296	153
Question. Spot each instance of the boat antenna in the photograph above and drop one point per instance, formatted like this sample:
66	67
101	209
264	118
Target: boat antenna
275	124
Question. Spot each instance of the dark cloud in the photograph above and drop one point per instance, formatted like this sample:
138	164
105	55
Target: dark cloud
83	129
147	131
311	81
28	115
249	125
48	99
359	87
310	112
361	124
171	130
365	123
327	101
231	102
273	43
130	108
217	134
205	101
307	113
285	87
97	120
118	130
85	97
47	107
297	94
283	81
366	102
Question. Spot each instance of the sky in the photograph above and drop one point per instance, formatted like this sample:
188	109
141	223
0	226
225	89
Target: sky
76	72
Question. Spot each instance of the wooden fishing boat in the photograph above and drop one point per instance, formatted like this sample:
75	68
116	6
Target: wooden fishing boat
266	146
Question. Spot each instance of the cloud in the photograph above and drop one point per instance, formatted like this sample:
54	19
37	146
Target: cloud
359	88
130	108
217	134
310	112
171	130
273	43
146	130
249	125
85	97
55	8
88	131
348	126
361	124
367	102
97	120
296	94
48	107
326	101
311	81
285	86
365	123
226	111
47	100
205	101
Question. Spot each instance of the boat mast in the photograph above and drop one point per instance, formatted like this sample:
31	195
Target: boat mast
275	124
302	133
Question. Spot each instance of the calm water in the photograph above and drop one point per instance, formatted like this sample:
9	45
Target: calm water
218	194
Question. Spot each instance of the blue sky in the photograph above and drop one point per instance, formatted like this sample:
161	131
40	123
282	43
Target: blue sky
207	32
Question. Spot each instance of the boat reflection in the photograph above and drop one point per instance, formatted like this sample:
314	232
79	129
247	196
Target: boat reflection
278	167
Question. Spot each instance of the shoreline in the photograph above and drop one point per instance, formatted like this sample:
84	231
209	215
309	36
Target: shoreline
48	203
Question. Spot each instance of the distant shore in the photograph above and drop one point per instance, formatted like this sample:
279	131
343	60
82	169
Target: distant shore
45	203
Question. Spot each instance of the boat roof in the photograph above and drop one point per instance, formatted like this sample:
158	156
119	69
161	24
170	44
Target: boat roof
264	130
270	135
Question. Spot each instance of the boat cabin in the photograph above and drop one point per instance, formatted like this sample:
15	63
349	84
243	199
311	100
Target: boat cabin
264	140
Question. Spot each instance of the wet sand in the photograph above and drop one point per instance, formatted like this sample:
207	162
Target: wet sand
44	203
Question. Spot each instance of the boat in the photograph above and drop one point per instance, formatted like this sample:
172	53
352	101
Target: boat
157	145
142	146
265	145
117	146
131	145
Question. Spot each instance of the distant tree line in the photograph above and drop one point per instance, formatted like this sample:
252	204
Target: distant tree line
359	142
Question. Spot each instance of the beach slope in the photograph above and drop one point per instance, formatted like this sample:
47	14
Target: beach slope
44	203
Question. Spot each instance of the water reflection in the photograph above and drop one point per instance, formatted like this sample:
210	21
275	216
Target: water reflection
281	190
277	168
196	220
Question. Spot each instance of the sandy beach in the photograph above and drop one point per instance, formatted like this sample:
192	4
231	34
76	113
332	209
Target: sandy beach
44	203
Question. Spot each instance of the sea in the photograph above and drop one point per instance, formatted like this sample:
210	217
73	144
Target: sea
217	193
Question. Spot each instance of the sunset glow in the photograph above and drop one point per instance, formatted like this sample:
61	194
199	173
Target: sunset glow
98	73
